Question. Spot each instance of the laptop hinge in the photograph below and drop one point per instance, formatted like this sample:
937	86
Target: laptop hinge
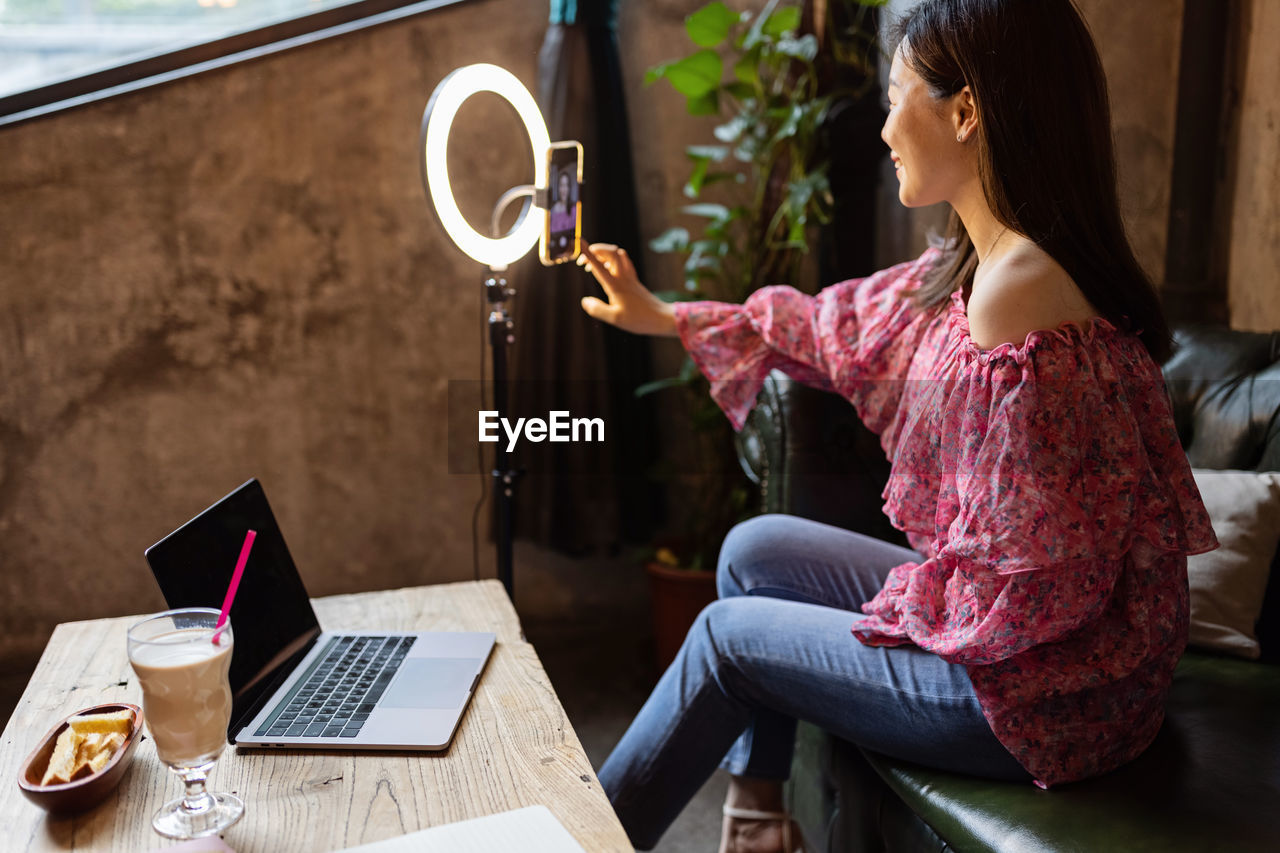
278	676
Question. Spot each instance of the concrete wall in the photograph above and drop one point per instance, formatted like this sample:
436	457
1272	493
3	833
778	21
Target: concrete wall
1254	254
1139	41
237	275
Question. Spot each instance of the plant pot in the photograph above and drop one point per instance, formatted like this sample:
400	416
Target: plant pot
678	596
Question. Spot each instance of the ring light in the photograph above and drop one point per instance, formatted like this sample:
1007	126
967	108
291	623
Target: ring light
445	101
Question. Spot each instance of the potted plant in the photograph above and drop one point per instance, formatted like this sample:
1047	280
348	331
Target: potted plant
755	193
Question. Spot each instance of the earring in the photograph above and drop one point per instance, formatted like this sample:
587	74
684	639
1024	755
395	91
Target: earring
960	138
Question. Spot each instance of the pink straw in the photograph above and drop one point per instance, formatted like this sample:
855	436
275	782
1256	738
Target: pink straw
235	582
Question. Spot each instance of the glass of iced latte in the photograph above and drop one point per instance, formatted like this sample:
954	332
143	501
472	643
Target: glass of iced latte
181	659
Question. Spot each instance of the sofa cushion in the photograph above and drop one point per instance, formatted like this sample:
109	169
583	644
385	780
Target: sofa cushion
1225	388
1208	782
1227	584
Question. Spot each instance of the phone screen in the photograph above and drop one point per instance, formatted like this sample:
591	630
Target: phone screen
562	234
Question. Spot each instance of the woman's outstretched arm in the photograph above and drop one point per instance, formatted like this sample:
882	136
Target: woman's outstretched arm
849	338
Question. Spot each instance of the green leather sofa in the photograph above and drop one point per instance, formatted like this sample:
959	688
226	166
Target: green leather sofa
1211	780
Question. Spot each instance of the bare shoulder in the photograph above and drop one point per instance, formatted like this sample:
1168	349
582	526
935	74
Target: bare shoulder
1020	294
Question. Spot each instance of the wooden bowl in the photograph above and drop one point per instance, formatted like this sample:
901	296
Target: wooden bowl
85	792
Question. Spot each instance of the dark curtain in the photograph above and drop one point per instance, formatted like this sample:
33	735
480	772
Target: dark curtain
851	136
580	497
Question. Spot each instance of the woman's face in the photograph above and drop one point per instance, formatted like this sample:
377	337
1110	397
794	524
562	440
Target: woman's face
564	187
931	164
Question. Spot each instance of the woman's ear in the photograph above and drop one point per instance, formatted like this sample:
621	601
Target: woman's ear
964	115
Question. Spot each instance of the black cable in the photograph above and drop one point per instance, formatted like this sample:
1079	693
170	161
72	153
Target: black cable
484	475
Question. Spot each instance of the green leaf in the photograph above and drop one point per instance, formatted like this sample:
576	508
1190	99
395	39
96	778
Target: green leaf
718	229
710	211
790	123
696	74
796	235
746	69
688	375
717	177
702	265
784	20
754	32
700	272
671	240
673	295
703	105
710	25
806	196
798	194
689	369
710	247
804	48
704	257
656	73
715	153
814	112
696	178
732	129
741	91
659	385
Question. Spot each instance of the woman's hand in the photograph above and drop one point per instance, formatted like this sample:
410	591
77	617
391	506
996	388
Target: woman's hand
631	307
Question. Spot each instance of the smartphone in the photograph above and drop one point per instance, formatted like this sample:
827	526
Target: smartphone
562	228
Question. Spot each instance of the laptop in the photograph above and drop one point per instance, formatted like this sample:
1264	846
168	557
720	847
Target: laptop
292	684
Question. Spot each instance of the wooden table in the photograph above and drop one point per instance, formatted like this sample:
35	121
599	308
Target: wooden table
514	748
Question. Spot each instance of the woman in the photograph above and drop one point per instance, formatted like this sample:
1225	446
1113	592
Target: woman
1012	376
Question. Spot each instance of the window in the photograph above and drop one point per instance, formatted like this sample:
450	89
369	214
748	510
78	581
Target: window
60	53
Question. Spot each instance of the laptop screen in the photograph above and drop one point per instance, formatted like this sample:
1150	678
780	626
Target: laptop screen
271	618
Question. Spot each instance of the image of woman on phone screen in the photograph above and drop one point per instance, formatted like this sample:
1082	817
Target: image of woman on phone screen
563	206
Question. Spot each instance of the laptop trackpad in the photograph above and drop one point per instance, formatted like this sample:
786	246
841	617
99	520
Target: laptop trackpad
431	683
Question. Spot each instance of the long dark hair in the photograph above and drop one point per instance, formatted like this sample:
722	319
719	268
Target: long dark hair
1045	155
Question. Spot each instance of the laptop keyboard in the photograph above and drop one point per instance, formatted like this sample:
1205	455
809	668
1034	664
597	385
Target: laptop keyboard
338	695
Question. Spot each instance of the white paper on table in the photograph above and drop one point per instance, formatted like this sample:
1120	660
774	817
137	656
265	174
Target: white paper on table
530	830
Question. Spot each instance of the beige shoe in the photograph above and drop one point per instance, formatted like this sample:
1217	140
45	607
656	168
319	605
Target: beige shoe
783	817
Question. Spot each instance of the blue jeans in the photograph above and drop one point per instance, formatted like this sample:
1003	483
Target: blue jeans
777	647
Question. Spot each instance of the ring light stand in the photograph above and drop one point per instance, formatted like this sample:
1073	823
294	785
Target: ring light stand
495	252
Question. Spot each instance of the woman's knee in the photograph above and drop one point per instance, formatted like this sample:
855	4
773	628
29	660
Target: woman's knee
725	645
750	545
708	645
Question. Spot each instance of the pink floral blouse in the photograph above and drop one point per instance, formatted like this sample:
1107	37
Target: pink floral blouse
1044	484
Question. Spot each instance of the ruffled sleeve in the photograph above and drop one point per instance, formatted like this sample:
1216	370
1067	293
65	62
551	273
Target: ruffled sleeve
1060	470
842	339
